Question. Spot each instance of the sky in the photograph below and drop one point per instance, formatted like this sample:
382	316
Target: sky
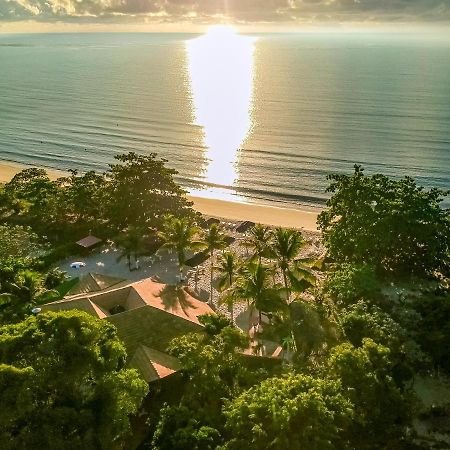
194	15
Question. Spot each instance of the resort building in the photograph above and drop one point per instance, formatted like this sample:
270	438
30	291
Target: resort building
146	313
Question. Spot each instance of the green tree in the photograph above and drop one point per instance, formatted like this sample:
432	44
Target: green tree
362	320
141	191
180	235
433	329
254	285
54	277
28	192
347	283
9	267
314	331
27	291
213	367
394	225
214	239
285	246
131	243
179	429
383	411
62	376
19	242
294	412
257	241
228	270
81	200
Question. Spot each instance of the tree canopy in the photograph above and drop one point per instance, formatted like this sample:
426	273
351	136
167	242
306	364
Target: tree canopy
295	412
141	191
394	225
137	191
382	410
19	242
27	291
212	364
63	379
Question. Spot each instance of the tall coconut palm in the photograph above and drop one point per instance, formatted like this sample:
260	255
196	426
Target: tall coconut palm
131	244
257	241
228	268
214	239
254	285
313	330
28	290
179	234
285	245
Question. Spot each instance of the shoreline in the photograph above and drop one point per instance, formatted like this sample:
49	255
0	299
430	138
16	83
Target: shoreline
225	209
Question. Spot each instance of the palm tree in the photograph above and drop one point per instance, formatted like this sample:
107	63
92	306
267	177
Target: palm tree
179	234
214	239
131	244
28	290
285	247
254	285
228	268
257	241
313	330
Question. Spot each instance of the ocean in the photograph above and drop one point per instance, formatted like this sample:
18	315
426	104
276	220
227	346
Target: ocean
253	118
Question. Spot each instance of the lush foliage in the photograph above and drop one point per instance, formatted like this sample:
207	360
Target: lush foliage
212	365
294	412
62	376
350	342
141	191
26	291
347	283
135	192
18	242
433	329
179	429
382	409
396	226
180	235
362	320
213	371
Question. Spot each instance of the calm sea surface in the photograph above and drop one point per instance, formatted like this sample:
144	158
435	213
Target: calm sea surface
259	118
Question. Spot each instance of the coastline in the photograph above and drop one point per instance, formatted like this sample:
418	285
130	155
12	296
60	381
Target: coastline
268	215
225	209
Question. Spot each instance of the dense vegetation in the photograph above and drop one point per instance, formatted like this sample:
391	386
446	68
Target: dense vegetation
136	192
63	384
393	225
357	326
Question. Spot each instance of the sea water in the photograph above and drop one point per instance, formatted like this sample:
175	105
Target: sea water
261	118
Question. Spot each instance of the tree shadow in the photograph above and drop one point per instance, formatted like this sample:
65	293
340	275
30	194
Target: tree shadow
175	297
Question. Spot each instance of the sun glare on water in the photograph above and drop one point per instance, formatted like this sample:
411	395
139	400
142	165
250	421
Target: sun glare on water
221	75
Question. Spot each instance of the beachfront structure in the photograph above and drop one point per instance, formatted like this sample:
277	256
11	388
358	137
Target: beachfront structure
146	313
96	282
88	242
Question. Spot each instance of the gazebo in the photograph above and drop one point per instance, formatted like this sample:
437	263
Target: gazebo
89	242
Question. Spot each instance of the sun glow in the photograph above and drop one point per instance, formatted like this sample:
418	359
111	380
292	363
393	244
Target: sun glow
221	71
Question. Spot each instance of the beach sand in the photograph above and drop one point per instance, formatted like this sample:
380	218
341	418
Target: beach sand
224	209
267	215
9	169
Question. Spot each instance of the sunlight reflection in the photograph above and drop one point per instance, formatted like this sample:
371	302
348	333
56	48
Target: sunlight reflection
221	75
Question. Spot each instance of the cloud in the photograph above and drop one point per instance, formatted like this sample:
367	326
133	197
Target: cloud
239	11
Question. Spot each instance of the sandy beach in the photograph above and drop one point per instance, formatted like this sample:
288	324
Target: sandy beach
9	169
268	215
